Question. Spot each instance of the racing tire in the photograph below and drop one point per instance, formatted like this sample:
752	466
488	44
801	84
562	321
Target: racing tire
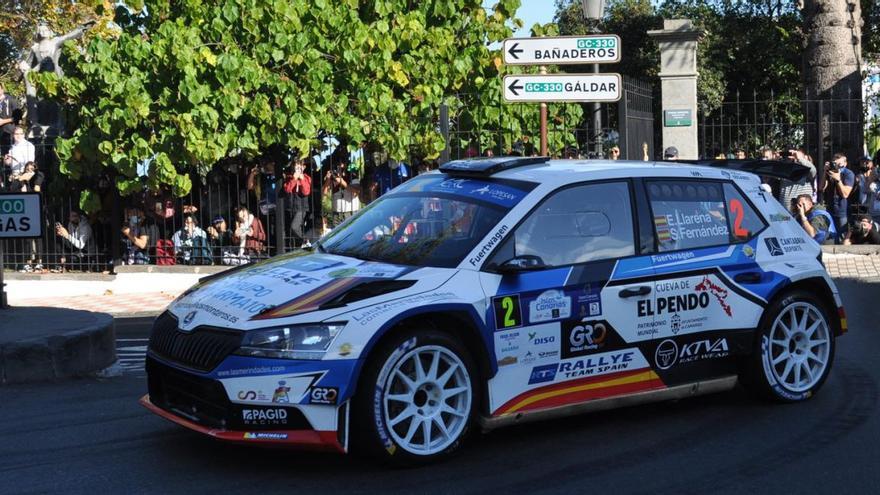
417	399
794	349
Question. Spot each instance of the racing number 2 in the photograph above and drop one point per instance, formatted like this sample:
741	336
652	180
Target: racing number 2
507	311
736	207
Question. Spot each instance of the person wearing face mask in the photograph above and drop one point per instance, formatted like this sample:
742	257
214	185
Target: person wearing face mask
138	236
77	239
191	243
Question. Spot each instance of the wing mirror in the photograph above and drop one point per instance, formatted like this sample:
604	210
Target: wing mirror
522	263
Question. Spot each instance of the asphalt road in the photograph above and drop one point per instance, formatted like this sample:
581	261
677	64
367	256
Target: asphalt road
91	436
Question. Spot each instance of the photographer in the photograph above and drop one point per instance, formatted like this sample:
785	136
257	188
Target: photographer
839	182
345	198
817	222
863	232
788	190
298	186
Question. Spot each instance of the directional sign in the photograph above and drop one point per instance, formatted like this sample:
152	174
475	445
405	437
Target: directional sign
595	49
561	87
20	215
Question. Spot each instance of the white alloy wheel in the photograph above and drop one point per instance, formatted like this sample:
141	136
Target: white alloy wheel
427	400
799	348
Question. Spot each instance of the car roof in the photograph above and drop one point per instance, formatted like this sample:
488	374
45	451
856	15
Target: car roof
581	170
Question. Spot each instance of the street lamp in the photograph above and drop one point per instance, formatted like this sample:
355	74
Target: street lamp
594	10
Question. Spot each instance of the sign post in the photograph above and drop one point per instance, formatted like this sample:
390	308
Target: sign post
603	87
20	218
560	50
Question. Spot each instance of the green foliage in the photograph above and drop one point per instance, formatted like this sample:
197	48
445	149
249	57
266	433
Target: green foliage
193	82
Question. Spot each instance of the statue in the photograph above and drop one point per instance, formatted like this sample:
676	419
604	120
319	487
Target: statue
43	57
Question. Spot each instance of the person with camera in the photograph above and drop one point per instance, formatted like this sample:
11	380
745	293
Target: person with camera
77	239
839	182
264	186
299	187
865	231
817	222
790	190
345	194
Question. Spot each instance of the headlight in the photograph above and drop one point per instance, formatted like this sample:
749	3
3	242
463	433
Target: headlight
290	342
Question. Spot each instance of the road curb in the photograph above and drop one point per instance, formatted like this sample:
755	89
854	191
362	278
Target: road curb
78	352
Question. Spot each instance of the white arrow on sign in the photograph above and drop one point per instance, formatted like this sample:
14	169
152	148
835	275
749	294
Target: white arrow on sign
593	49
561	87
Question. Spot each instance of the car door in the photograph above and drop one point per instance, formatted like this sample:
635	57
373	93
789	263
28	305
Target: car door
555	340
704	313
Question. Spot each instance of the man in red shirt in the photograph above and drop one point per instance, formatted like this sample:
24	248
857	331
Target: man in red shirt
299	187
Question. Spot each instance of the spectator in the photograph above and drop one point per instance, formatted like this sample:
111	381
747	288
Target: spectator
220	235
299	187
390	175
10	113
77	240
864	174
839	182
817	222
138	236
264	187
670	153
789	190
740	154
489	153
872	199
767	153
191	243
30	180
21	152
249	234
614	152
863	232
345	194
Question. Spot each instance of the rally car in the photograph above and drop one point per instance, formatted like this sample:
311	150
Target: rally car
498	291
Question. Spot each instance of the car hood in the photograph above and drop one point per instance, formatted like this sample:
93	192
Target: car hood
296	284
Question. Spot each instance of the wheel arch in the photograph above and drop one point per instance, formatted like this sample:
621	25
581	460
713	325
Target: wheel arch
459	320
817	286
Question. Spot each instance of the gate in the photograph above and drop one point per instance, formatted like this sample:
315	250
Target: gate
636	122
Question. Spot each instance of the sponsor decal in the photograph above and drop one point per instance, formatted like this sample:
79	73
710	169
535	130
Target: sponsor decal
667	258
590	302
378	406
649	328
312	263
323	395
487	247
716	290
543	374
550	305
264	416
597	364
507	361
792	244
537	343
189	317
779	217
345	349
507	311
243	301
666	354
748	251
675	323
260	370
286	275
344	272
773	246
265	436
211	310
253	395
669	353
282	392
535	340
583	337
378	310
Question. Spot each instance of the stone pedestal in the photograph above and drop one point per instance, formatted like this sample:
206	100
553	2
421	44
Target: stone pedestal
678	82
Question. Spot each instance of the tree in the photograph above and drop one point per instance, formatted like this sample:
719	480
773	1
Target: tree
832	62
189	83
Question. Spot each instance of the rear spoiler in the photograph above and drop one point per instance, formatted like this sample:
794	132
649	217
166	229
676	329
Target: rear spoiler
779	169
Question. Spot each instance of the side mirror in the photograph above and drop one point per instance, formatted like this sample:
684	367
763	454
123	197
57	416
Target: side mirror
522	263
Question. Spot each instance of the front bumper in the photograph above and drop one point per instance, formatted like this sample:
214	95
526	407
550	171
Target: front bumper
201	404
309	439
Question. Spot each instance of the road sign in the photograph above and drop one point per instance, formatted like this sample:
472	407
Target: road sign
561	87
594	49
20	215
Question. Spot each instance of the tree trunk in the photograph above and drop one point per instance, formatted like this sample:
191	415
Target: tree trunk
832	76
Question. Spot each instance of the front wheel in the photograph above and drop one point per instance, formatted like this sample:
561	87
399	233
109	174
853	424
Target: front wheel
417	399
795	349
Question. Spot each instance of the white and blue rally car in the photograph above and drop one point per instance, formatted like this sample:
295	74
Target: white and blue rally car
498	291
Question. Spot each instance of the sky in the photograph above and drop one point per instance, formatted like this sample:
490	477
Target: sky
531	12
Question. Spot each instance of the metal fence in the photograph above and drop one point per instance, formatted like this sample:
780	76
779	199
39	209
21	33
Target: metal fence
821	126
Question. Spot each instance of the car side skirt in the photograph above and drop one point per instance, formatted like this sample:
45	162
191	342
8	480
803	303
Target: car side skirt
676	392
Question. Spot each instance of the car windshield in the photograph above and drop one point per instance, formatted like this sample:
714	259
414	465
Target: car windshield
430	221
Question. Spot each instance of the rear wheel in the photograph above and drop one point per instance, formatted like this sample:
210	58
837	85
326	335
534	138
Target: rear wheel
416	400
795	349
